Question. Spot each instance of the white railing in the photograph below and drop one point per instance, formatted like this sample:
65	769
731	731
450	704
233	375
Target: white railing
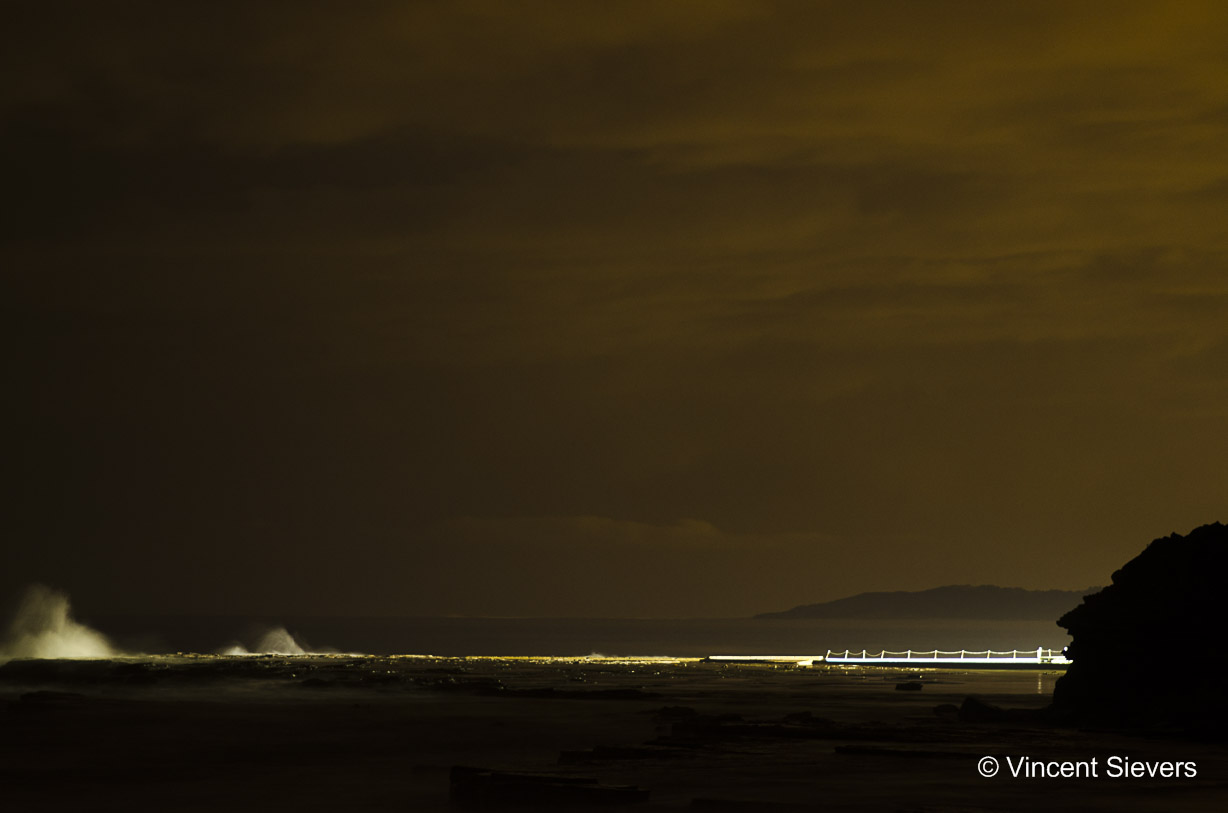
1038	655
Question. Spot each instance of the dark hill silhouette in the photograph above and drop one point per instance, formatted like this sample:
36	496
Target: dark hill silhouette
1148	649
984	602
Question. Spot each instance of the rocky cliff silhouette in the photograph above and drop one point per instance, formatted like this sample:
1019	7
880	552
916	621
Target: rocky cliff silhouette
1148	650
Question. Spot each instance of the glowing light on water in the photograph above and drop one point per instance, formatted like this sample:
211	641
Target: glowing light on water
44	628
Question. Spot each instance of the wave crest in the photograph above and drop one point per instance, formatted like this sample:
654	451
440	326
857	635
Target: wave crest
43	627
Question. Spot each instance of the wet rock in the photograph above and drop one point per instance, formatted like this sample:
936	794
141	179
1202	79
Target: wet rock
675	713
805	718
49	697
553	693
754	806
912	753
976	710
946	710
602	753
317	683
481	787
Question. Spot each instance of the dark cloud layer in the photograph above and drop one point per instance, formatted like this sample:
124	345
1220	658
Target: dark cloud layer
610	309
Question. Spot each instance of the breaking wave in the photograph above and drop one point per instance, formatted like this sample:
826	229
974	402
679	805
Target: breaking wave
43	627
275	641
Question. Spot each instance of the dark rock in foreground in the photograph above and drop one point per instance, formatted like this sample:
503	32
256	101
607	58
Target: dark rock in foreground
1147	650
976	710
480	787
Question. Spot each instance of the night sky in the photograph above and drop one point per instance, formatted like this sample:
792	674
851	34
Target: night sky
606	309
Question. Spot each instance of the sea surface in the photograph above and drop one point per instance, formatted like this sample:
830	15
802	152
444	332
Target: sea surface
572	637
339	732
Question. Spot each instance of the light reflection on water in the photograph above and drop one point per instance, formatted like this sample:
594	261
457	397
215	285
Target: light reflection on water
315	678
582	636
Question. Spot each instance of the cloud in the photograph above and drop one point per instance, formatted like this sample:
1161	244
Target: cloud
611	567
591	530
863	271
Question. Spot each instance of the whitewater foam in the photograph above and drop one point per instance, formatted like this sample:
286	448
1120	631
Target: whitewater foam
274	641
43	627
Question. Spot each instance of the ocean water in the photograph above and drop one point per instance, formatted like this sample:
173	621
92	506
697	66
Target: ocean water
569	637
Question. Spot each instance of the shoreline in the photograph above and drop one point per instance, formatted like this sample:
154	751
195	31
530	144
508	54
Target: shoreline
266	732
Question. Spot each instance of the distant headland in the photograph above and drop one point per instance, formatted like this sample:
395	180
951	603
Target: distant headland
984	602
